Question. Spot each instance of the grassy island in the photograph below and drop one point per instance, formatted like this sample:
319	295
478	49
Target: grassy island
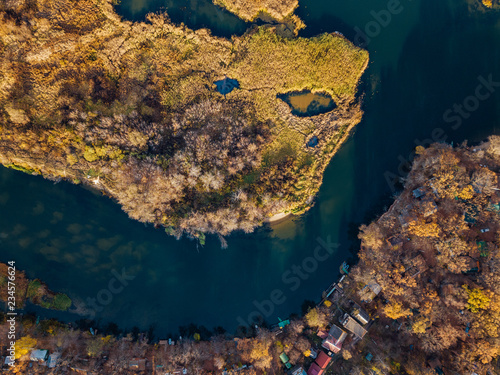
423	299
132	110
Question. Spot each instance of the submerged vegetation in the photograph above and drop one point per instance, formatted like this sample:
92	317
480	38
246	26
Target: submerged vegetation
33	291
132	110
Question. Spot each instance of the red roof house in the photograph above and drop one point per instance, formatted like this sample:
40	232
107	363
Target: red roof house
323	360
315	370
334	340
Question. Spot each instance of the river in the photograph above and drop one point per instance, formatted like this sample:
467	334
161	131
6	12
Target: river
427	58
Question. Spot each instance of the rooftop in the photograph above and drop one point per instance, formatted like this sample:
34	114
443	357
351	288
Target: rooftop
315	370
39	355
352	325
323	360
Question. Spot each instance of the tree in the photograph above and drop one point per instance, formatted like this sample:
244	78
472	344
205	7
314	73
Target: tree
486	351
316	318
24	346
466	193
478	299
420	325
371	236
94	346
422	229
484	180
260	354
487	323
395	310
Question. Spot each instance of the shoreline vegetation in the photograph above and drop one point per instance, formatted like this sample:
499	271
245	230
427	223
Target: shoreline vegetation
484	5
131	109
34	291
424	297
281	11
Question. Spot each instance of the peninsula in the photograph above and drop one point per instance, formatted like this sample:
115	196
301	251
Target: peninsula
183	129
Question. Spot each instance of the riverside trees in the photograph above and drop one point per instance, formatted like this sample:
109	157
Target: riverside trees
435	254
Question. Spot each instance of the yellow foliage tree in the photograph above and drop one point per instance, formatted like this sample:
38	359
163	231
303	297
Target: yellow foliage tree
466	193
487	3
316	318
478	299
346	354
419	150
420	325
24	345
487	323
260	354
395	310
422	229
485	351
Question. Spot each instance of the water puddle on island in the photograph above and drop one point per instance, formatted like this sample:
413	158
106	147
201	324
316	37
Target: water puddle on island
306	103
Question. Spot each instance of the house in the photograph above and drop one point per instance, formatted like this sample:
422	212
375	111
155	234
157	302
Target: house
333	342
419	192
298	370
471	264
369	292
39	355
428	208
323	360
395	241
53	360
434	189
8	361
416	265
137	364
286	361
315	370
319	366
353	326
361	315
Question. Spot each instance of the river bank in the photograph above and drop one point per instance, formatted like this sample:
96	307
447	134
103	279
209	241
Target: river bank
428	265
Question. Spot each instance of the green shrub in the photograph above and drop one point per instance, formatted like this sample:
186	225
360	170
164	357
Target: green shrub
61	302
33	288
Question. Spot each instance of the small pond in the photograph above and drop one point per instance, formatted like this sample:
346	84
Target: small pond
306	103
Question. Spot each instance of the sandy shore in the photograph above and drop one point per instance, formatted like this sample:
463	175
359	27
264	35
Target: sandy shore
278	217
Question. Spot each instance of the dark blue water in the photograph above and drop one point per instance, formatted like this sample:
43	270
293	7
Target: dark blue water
429	59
